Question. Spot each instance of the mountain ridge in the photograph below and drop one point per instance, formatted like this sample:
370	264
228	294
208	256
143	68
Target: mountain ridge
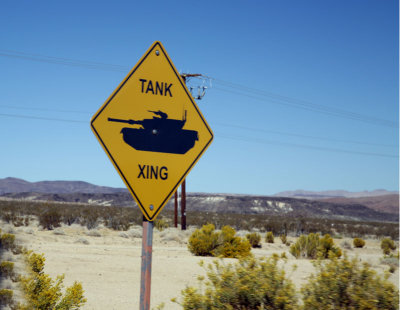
15	185
74	192
300	193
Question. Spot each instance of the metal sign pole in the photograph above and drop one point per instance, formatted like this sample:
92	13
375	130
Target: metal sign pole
145	279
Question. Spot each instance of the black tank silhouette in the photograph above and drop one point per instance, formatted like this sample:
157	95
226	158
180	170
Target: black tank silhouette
158	134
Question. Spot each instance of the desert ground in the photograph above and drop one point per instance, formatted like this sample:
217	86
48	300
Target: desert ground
107	262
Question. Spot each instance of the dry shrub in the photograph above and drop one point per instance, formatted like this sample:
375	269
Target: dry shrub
346	245
254	239
82	240
283	239
93	233
123	235
161	224
42	292
171	234
203	241
358	243
387	245
248	284
207	242
346	284
269	237
59	231
230	245
313	246
50	219
6	297
7	270
7	241
135	232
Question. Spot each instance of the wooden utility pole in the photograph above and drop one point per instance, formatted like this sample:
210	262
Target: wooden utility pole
176	209
183	205
183	187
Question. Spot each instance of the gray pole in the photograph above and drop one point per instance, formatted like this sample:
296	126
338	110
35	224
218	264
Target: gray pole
145	280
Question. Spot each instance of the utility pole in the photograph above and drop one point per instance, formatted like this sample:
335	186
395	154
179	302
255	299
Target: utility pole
184	76
176	209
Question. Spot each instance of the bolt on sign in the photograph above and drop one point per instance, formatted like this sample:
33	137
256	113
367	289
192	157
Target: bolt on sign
152	130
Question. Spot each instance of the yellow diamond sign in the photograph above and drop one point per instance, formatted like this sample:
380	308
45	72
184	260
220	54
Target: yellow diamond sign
152	130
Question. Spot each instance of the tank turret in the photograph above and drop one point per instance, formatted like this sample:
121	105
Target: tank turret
158	134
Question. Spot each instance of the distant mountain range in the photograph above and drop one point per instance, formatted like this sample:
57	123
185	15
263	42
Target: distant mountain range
334	194
365	208
14	185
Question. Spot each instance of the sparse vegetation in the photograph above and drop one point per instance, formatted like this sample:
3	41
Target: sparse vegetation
42	292
208	242
161	224
6	297
254	239
7	241
248	284
50	219
121	218
387	246
230	245
203	241
269	237
358	243
313	246
346	284
223	242
7	270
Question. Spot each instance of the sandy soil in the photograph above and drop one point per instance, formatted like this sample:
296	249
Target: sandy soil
108	262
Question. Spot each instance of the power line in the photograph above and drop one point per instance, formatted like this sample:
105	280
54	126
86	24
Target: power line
254	129
42	109
43	118
63	61
349	115
237	138
300	102
248	91
303	146
304	136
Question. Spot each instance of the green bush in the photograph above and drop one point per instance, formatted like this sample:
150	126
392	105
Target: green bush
42	292
6	297
248	284
346	284
207	242
7	269
254	239
358	243
313	246
269	237
230	245
327	247
283	239
203	241
387	245
7	241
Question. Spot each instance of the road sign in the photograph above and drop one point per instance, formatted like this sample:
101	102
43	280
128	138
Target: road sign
152	130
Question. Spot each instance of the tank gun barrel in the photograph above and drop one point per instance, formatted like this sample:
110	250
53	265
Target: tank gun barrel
127	121
160	114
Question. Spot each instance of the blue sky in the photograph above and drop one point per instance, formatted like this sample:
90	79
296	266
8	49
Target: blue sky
302	95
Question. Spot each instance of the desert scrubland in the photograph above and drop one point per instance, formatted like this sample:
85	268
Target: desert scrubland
107	262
